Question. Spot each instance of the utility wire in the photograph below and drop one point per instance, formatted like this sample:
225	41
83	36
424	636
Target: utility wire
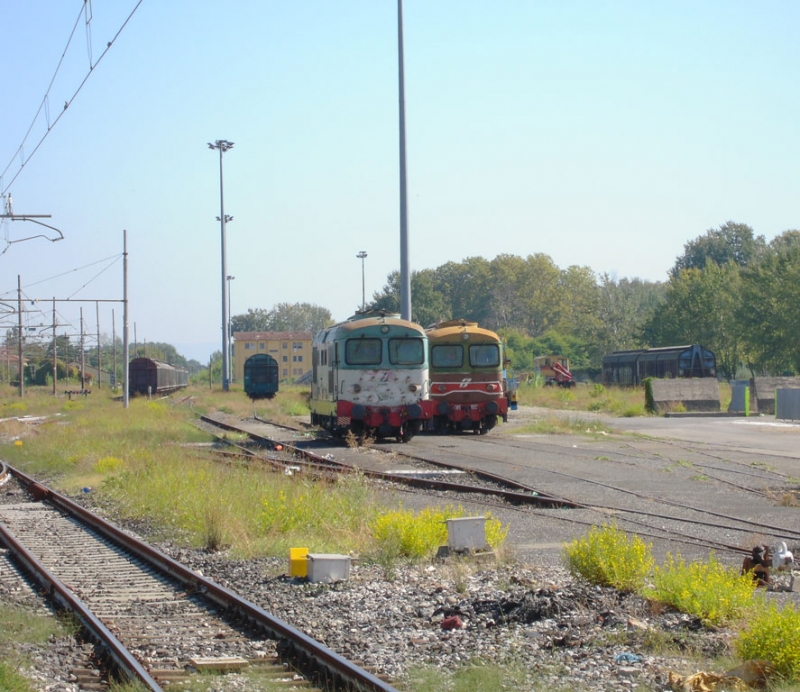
113	259
45	101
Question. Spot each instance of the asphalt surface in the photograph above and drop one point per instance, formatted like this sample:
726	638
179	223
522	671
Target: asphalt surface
689	486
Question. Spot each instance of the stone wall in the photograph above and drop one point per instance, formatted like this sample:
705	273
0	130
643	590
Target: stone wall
697	394
762	392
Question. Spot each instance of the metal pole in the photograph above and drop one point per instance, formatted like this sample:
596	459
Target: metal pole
224	251
99	356
55	349
114	381
125	339
223	145
83	357
230	333
362	256
405	275
19	338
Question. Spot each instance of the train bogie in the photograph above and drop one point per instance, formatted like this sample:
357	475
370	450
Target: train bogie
468	384
370	377
261	376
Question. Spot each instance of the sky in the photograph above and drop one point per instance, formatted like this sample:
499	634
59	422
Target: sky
604	134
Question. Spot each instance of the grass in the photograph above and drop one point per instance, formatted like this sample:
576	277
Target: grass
17	625
622	402
140	461
562	425
475	676
595	398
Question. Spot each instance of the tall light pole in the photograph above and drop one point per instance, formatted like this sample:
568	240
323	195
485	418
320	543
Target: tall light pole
223	145
405	269
230	329
362	256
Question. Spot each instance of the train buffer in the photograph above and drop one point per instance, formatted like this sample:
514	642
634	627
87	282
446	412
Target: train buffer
77	392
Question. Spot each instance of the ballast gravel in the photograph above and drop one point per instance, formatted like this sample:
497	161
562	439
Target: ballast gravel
556	631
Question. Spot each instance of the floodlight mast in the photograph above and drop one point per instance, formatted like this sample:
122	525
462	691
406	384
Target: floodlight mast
223	145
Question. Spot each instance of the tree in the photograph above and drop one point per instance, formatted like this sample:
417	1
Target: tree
624	308
466	287
284	317
770	309
731	242
256	320
299	317
700	308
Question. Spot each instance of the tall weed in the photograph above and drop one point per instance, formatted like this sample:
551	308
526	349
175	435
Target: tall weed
419	536
606	556
715	593
773	633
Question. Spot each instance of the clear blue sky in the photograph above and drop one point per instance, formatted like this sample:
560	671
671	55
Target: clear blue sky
604	134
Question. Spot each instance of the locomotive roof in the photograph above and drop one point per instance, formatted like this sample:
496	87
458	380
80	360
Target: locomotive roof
366	319
272	336
452	327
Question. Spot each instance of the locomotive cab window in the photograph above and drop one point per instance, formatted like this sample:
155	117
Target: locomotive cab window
484	355
406	352
362	352
447	356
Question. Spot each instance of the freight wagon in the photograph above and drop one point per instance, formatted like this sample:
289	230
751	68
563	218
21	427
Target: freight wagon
631	367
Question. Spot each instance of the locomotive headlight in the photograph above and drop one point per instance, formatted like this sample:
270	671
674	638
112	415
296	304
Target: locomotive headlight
413	387
465	336
441	387
385	329
356	388
490	387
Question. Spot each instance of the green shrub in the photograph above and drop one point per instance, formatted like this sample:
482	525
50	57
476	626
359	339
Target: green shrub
607	556
709	590
773	634
419	536
108	465
597	390
649	401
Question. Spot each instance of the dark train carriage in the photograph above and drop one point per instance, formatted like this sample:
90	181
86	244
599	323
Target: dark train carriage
631	367
261	376
149	376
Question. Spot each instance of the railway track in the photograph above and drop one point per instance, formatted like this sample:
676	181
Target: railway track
427	474
156	619
650	514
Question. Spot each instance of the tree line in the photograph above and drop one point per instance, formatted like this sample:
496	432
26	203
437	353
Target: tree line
730	291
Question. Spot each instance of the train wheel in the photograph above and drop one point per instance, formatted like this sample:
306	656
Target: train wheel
487	424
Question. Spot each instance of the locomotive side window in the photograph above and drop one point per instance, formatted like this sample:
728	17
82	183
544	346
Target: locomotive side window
447	356
406	352
362	352
484	355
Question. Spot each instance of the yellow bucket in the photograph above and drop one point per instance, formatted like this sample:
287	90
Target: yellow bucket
298	562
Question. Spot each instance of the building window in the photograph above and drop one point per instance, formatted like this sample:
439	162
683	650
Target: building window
285	373
285	359
249	346
284	345
297	345
261	346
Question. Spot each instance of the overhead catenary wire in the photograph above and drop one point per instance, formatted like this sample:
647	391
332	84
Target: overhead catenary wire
45	101
112	260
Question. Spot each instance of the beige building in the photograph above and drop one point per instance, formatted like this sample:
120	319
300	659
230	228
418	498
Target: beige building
292	351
